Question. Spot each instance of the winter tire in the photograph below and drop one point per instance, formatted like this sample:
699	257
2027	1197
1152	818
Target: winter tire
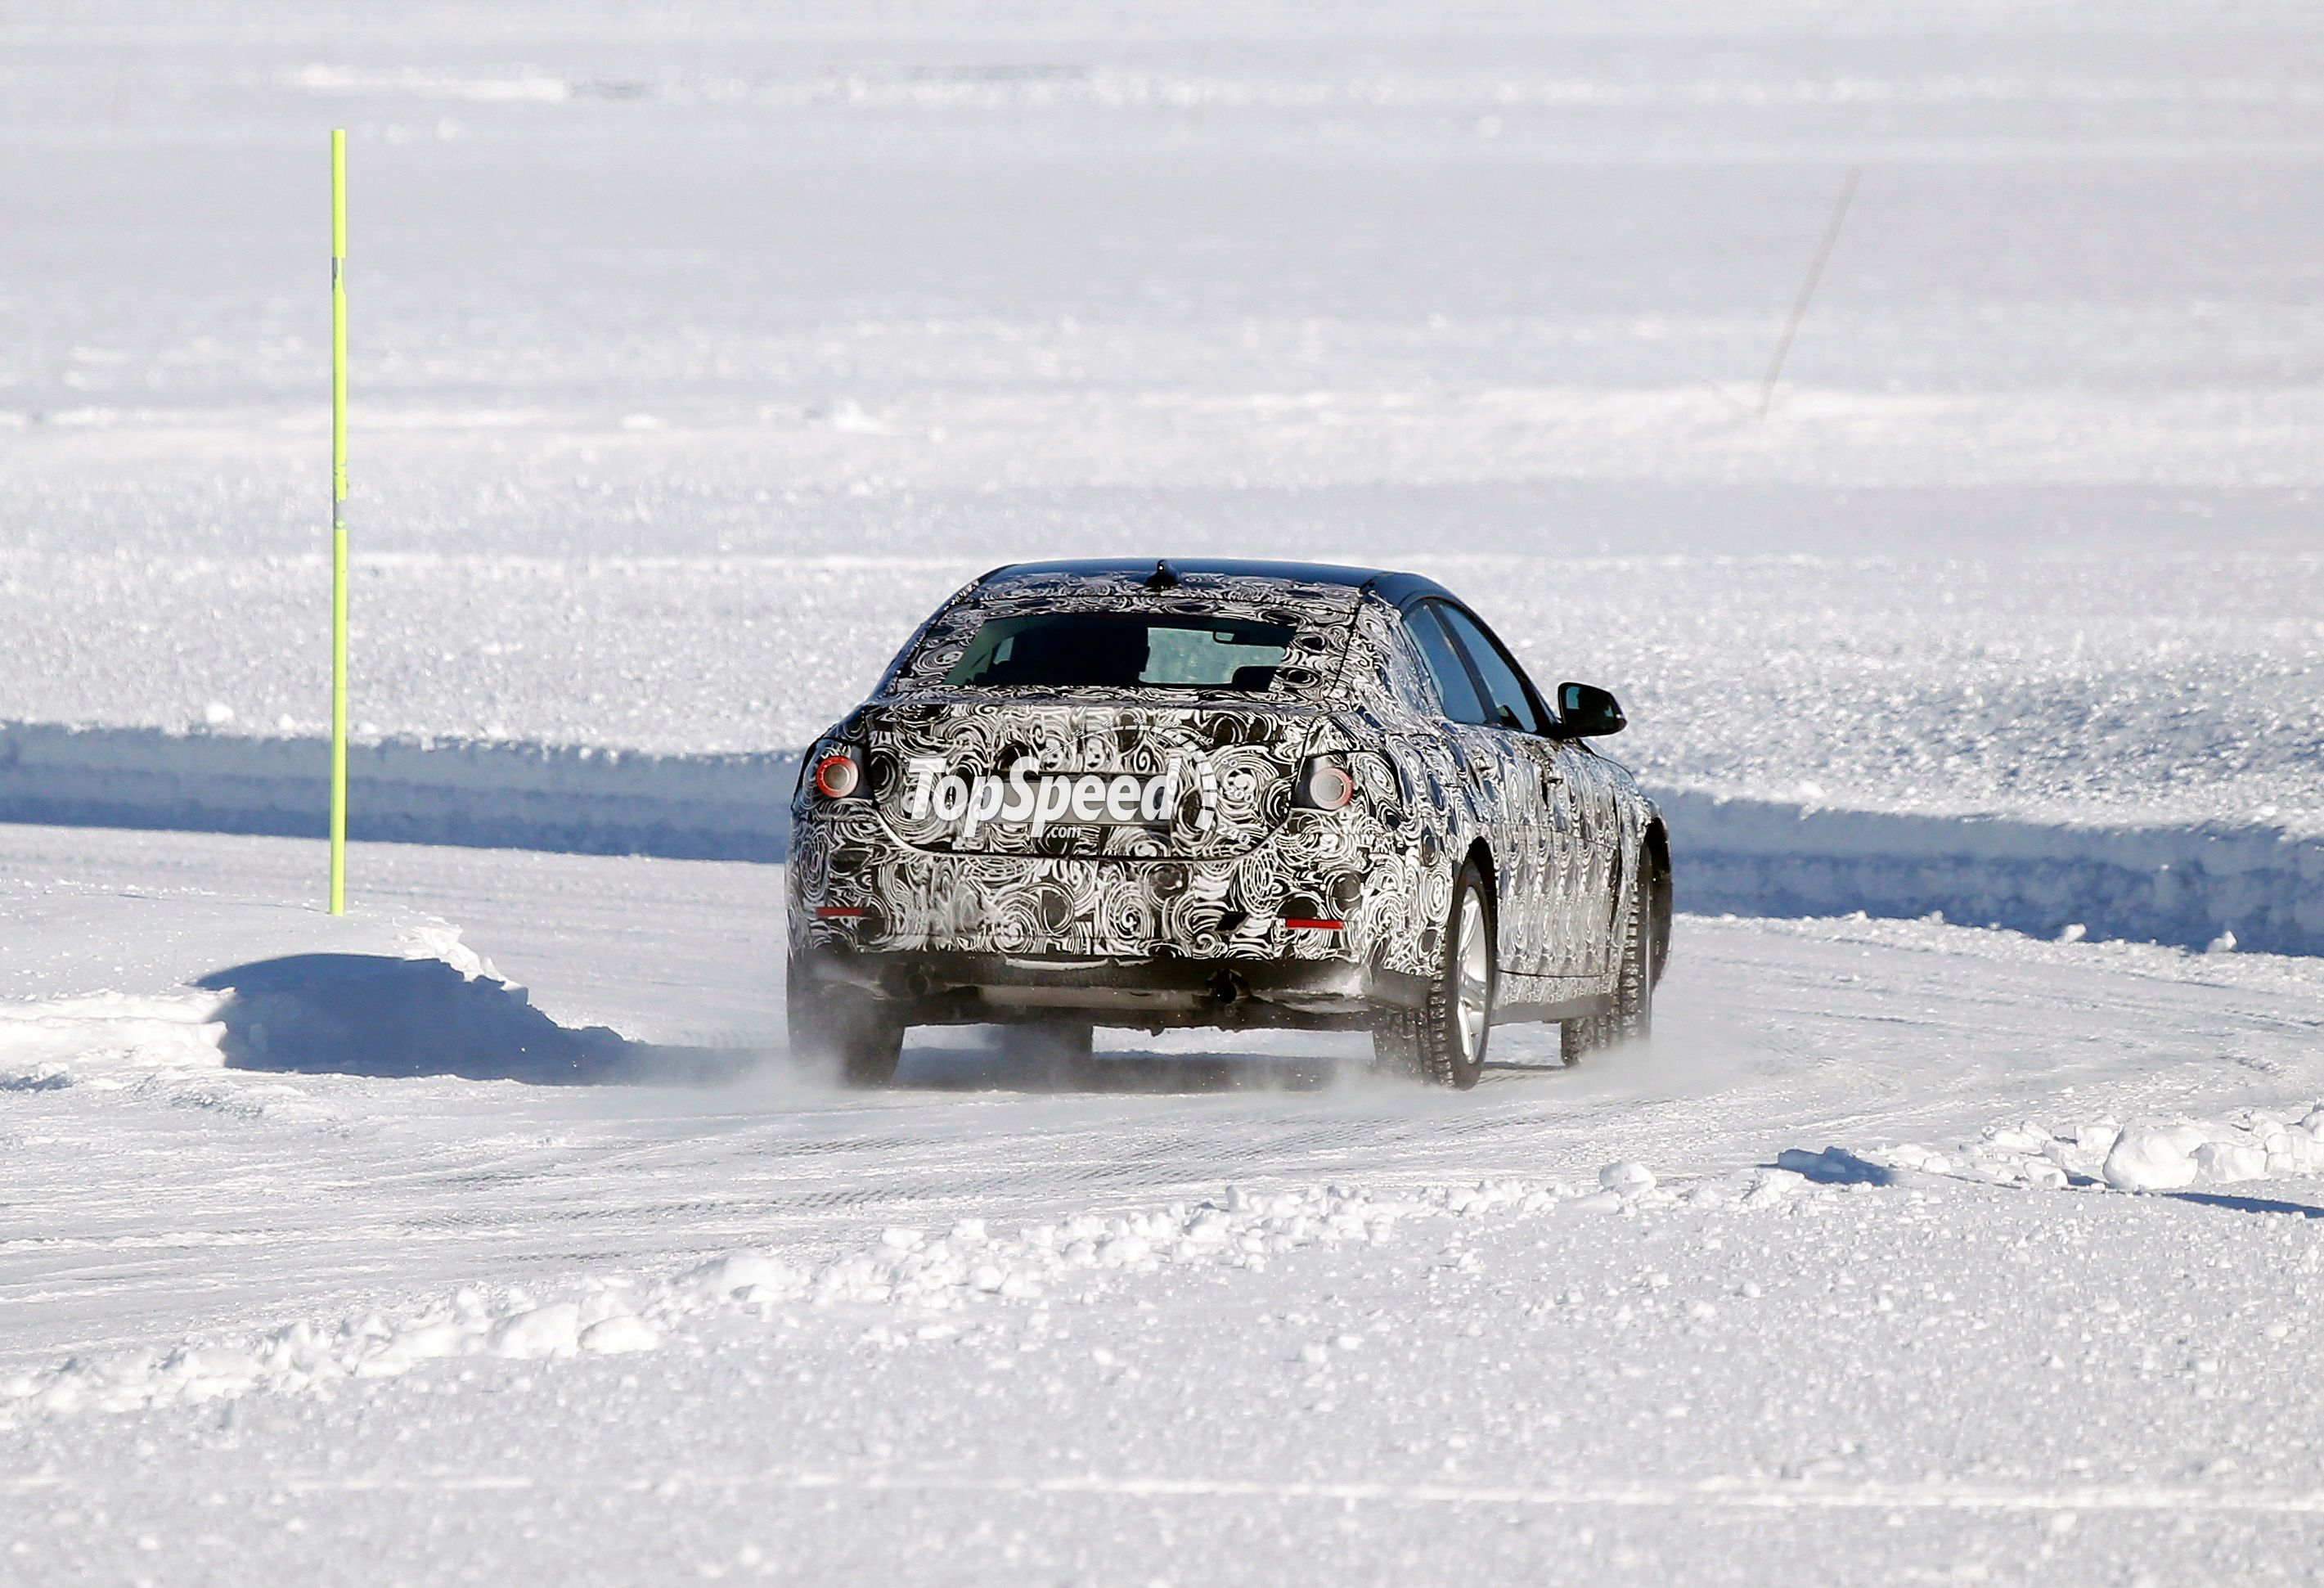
1628	1016
839	1027
1443	1041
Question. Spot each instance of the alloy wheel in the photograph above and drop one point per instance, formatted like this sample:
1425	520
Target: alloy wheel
1475	985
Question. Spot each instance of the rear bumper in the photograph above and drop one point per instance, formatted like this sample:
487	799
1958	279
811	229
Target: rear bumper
853	884
953	987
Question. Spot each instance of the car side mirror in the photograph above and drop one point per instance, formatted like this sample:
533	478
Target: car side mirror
1585	711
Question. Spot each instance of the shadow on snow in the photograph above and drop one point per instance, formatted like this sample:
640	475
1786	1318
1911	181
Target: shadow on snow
2244	1203
999	1065
362	1014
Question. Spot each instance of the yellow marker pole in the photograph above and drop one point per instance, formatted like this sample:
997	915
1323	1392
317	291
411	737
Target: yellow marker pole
338	523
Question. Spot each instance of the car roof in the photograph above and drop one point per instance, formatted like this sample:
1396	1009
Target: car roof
1395	588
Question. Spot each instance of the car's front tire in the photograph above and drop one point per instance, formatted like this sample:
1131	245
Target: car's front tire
840	1028
1444	1041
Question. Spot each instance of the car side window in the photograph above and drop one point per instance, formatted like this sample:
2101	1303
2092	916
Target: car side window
1402	672
1510	705
1446	671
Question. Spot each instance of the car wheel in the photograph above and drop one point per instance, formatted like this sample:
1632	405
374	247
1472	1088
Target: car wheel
1444	1041
838	1026
1629	1015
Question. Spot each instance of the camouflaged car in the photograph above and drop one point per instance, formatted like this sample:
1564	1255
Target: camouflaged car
1220	793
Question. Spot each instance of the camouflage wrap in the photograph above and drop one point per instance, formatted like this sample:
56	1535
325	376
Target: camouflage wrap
1233	856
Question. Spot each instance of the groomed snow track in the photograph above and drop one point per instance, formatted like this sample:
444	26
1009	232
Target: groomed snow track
2182	885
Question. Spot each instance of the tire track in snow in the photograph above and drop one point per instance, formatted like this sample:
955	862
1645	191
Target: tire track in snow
1715	1493
1776	1036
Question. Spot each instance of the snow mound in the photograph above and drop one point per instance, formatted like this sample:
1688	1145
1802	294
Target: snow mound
40	1041
2145	1155
178	1044
1627	1178
2152	1157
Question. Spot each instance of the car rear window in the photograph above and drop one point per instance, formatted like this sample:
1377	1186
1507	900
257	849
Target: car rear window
1123	651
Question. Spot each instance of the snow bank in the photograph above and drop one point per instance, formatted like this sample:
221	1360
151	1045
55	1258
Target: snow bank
483	794
42	1041
2256	888
174	1049
173	1044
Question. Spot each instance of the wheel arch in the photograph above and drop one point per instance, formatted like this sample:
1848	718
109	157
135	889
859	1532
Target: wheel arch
1480	855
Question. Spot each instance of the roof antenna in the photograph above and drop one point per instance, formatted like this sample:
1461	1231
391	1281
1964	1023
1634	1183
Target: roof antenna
1163	578
1807	291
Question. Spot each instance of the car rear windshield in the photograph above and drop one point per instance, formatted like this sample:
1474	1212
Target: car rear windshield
1123	651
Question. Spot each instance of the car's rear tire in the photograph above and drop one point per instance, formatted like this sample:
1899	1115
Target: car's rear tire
843	1028
1443	1041
1628	1016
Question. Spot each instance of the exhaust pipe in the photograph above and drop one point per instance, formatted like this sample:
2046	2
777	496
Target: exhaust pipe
914	984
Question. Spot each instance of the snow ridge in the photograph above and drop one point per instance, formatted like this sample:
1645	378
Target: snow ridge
2257	886
914	1283
480	794
41	1041
2142	1154
915	1276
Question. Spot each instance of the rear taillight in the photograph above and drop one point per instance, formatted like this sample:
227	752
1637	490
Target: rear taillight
837	775
1325	783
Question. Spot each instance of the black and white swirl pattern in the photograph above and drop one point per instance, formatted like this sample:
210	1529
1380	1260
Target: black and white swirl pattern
1234	858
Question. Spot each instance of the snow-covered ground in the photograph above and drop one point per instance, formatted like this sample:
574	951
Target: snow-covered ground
1857	1264
700	349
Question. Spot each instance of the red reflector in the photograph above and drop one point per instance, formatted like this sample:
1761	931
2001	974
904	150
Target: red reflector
1312	924
1330	789
838	912
837	777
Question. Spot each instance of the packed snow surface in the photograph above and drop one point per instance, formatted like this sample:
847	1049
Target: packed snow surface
1903	1243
